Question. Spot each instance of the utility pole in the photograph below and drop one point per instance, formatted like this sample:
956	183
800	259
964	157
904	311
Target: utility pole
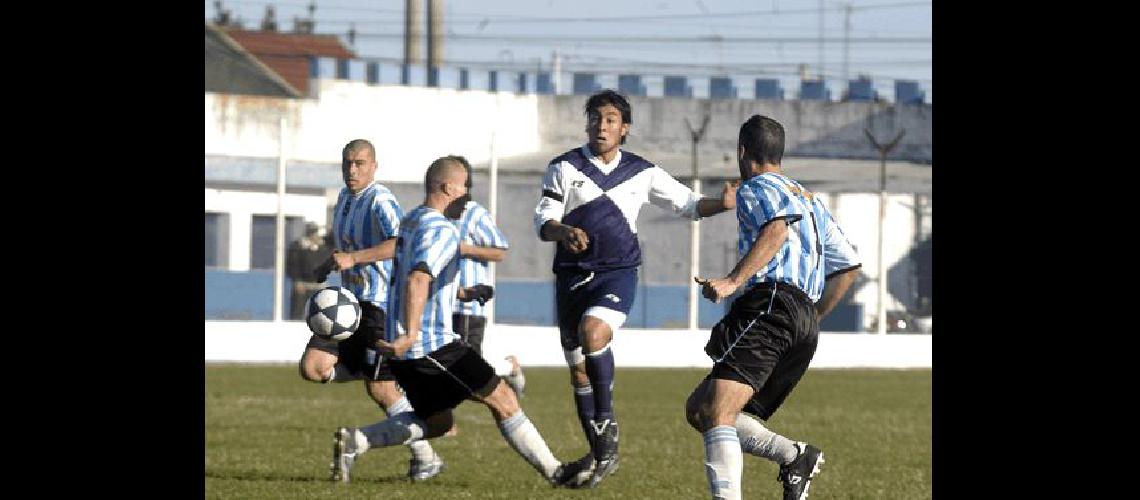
695	241
820	67
846	40
557	76
883	151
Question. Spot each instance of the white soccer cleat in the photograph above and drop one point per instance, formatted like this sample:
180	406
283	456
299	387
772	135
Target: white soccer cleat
516	380
343	458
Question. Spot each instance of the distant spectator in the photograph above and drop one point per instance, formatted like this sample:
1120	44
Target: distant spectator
304	255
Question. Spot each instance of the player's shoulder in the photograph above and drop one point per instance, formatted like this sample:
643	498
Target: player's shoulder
573	156
631	158
382	193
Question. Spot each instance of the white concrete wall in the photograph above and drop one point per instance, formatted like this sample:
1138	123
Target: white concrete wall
410	126
243	205
264	341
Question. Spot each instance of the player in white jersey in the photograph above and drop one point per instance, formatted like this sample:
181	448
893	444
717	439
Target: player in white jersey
364	229
591	196
437	371
481	243
795	266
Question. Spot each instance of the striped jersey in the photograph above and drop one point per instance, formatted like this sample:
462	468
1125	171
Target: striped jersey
360	221
476	228
815	247
430	242
603	200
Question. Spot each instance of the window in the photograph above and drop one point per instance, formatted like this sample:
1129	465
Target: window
217	240
264	233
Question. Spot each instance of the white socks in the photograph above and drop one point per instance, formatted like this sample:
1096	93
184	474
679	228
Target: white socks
402	428
757	440
524	438
724	462
421	450
503	367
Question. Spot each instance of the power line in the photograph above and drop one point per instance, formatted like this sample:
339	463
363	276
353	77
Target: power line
654	40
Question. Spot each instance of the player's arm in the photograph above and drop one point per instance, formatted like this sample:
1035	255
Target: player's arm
548	214
486	254
834	287
771	238
415	296
668	193
386	214
383	251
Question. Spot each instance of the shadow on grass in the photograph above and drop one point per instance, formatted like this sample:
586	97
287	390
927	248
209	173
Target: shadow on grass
269	476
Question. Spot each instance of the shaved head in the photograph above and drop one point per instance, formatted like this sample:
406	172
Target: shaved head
443	170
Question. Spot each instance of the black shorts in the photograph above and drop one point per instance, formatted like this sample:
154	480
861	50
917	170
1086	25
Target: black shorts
766	340
444	378
470	329
358	352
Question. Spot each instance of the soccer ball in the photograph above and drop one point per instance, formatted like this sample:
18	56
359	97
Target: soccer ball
333	313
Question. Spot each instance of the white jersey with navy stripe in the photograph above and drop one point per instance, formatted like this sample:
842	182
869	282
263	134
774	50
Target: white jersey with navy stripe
603	199
364	220
476	228
813	235
429	242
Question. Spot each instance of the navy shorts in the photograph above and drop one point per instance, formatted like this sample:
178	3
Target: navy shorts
577	291
766	341
358	352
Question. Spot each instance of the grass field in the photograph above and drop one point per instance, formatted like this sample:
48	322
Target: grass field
269	435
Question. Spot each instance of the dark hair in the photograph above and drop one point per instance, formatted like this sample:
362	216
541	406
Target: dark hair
609	96
466	166
438	172
763	140
357	145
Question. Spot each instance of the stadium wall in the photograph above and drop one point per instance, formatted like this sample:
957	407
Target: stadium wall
268	342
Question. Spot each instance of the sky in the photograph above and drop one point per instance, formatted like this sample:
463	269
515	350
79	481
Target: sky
888	39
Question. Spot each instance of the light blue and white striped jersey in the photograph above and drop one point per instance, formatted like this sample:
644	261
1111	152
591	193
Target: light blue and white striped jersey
476	228
813	234
361	221
430	242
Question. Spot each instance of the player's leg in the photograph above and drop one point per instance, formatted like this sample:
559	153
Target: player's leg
610	297
425	463
570	299
712	408
523	437
320	363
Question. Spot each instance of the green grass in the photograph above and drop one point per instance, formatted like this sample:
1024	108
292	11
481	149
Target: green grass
269	435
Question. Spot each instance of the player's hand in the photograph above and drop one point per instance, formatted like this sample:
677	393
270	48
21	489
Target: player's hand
481	293
728	195
574	239
716	289
322	271
343	260
395	349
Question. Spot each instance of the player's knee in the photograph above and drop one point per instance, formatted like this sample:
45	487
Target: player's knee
594	334
694	413
502	402
312	372
438	424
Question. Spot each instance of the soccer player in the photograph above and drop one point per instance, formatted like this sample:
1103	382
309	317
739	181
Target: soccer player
591	196
437	372
365	226
481	243
795	266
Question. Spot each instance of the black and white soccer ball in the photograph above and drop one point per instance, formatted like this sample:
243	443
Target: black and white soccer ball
333	313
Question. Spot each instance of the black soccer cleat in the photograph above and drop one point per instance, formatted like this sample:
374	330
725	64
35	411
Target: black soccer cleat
574	474
797	474
606	450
